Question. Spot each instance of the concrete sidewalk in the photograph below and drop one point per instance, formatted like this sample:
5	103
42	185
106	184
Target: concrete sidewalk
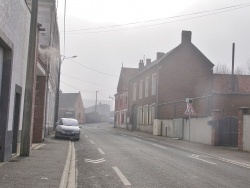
43	168
219	152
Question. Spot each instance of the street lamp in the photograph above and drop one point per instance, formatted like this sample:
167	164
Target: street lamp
63	57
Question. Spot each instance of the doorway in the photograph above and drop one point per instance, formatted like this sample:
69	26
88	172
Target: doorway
17	104
228	131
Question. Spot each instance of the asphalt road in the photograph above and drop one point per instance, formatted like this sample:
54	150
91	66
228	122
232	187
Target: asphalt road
107	157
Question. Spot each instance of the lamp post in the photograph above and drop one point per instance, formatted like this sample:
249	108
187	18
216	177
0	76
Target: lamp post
58	86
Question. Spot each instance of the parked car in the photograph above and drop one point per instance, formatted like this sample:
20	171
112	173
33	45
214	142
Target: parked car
68	128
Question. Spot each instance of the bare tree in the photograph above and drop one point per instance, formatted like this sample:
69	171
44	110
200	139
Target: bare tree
248	66
240	70
221	69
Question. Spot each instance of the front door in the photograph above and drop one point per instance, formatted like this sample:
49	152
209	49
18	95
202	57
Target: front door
16	122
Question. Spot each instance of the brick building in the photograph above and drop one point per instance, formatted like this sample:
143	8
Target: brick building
159	90
121	97
47	70
71	106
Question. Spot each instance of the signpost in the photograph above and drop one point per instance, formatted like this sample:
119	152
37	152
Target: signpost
189	111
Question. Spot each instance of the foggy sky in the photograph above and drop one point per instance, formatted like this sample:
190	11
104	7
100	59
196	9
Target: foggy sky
106	51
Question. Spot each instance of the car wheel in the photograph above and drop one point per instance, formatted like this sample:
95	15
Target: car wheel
77	139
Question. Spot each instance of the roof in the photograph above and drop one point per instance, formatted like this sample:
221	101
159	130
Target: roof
168	54
125	75
67	100
186	43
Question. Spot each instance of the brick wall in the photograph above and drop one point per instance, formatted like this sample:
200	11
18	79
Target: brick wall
39	109
184	73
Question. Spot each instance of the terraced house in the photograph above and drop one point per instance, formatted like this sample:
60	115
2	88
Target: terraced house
158	92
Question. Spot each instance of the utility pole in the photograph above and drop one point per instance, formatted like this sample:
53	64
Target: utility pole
57	93
96	100
58	87
28	98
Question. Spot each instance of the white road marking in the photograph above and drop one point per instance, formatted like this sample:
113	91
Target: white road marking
233	162
92	142
64	178
121	176
197	157
72	170
124	135
160	146
94	161
102	152
86	136
137	139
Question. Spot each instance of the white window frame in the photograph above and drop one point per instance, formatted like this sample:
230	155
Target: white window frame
146	87
139	115
154	82
145	116
140	89
151	113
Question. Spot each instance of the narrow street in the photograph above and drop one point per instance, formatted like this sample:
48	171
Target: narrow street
108	157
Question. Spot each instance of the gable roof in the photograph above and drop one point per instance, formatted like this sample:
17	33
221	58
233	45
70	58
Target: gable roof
67	100
125	75
186	43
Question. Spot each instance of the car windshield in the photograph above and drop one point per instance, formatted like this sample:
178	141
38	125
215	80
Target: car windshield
69	122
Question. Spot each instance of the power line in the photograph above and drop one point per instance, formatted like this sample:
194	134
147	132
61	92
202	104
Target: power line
64	25
174	21
82	90
94	69
171	17
85	81
78	88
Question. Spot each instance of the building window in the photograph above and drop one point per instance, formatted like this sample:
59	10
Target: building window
121	100
141	89
139	115
145	115
123	116
146	86
153	84
134	91
151	114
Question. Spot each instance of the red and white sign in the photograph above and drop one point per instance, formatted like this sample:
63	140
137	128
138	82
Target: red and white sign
190	110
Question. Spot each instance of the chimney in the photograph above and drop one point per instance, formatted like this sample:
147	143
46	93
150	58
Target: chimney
186	36
148	61
159	55
141	64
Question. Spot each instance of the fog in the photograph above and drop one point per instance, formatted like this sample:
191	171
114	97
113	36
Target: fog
105	50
